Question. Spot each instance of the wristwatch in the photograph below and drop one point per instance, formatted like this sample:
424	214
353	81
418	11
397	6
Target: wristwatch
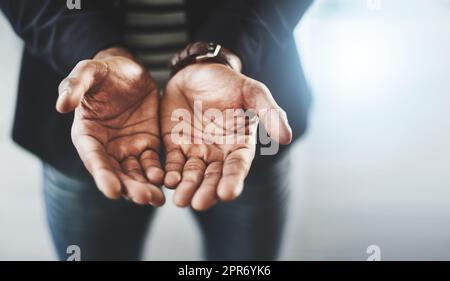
200	52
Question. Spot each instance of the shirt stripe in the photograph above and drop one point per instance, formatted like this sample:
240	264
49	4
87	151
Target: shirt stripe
155	31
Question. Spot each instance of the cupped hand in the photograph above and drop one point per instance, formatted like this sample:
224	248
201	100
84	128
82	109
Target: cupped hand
115	128
209	118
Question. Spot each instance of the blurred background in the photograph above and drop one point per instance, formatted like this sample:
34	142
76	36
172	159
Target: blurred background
373	169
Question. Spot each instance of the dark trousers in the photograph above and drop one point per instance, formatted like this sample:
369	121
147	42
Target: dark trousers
249	228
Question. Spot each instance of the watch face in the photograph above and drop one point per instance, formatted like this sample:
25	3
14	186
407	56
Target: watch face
201	52
212	52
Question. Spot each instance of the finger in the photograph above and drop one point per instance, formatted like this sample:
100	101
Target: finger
136	184
141	192
174	158
82	78
274	119
131	167
152	167
97	162
235	169
206	195
193	172
175	161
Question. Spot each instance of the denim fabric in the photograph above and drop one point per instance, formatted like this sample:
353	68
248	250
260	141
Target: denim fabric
249	228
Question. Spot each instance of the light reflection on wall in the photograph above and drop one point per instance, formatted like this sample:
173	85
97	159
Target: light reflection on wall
373	168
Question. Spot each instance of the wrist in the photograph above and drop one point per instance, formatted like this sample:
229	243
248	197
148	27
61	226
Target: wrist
203	52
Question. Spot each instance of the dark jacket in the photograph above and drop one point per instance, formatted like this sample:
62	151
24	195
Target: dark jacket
56	38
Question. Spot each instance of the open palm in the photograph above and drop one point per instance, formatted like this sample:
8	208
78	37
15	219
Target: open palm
209	117
115	128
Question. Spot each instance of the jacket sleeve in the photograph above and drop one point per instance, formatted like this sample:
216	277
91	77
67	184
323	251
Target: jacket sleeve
62	37
252	28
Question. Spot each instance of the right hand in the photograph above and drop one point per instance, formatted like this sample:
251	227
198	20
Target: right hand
115	128
215	167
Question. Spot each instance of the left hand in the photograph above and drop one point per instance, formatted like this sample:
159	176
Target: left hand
210	170
115	128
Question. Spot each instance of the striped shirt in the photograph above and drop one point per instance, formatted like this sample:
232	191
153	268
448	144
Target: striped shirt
155	30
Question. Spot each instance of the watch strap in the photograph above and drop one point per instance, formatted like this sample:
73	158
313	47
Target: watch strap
199	52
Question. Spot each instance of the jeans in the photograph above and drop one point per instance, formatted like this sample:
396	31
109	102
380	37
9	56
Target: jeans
249	228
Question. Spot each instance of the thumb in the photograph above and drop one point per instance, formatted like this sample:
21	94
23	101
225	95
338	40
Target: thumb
85	75
274	119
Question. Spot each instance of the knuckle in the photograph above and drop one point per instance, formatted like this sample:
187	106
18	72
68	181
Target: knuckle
253	90
195	165
173	166
236	161
191	180
253	87
93	67
213	174
70	82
